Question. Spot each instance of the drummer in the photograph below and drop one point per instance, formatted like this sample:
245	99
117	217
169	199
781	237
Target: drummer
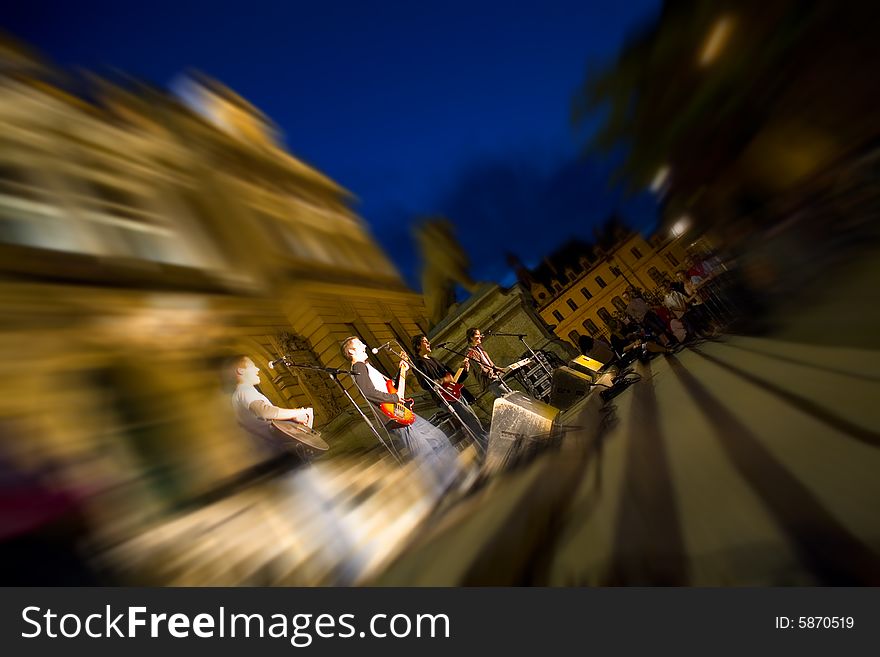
255	412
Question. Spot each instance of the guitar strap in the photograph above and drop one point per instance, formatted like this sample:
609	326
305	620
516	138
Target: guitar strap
485	361
378	417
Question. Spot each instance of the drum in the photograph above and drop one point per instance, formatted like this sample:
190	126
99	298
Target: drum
305	441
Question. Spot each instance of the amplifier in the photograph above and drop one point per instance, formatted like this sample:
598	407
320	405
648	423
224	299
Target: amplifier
570	386
587	365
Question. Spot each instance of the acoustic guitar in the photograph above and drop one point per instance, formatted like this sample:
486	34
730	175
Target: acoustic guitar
307	442
400	412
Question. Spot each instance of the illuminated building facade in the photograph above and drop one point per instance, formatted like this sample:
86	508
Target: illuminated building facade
580	287
144	236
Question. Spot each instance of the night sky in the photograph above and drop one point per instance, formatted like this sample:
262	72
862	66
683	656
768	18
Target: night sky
453	108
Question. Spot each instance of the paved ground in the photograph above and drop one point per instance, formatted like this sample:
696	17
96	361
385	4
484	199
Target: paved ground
749	461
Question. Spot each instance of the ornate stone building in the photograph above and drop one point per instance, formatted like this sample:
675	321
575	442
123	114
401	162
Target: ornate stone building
143	237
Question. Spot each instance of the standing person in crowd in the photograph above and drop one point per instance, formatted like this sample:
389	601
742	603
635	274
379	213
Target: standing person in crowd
678	306
697	314
640	312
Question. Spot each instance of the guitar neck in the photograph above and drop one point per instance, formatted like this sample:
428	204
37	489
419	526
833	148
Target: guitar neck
401	384
457	375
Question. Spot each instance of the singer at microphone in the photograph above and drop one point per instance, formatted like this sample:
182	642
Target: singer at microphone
254	411
453	391
440	374
488	374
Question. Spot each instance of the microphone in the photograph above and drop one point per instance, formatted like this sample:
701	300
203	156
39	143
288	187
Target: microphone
442	344
272	363
375	350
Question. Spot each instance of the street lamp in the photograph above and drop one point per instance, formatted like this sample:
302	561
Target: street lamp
660	179
613	259
680	226
715	42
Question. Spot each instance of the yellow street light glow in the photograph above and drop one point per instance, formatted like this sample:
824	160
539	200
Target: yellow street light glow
680	226
660	178
716	40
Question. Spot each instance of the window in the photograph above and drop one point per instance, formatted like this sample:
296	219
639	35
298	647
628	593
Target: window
397	330
619	304
591	327
615	271
28	214
128	220
605	315
557	315
636	252
542	296
672	260
600	282
586	293
655	275
557	286
574	336
112	199
572	304
15	182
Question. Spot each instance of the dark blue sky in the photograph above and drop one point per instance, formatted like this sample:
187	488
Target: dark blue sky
458	108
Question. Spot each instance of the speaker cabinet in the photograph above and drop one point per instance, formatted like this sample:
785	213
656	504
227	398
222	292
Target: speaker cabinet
587	365
519	425
569	387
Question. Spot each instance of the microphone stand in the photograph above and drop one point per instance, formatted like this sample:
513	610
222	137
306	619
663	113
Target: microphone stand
522	338
334	373
439	390
498	370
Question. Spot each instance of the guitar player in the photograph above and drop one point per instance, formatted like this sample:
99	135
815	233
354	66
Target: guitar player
425	442
254	411
488	374
457	395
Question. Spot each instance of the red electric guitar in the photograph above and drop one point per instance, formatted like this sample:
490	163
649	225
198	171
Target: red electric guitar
451	390
401	411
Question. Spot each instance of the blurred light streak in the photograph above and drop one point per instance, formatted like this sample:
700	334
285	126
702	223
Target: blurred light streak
716	40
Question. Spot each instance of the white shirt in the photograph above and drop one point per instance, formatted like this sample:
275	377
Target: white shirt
377	378
242	399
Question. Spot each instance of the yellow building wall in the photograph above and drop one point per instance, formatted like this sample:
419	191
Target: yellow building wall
634	270
152	246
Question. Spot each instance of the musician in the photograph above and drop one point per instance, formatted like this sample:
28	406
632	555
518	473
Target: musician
334	540
255	412
440	374
437	371
488	374
425	442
